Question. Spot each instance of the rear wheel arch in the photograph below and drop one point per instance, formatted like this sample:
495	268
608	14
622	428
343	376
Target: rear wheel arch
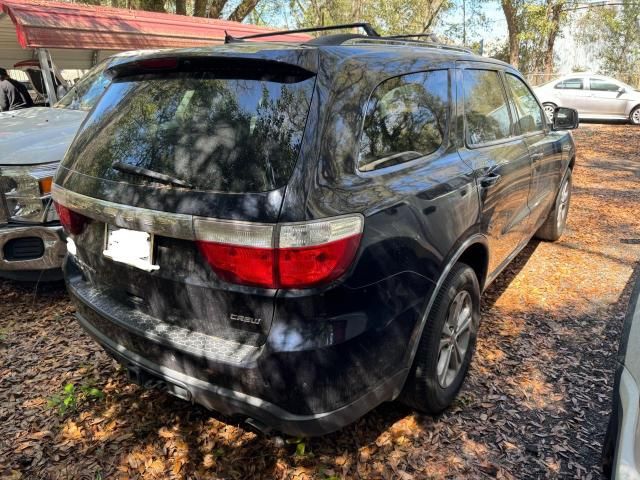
476	255
475	249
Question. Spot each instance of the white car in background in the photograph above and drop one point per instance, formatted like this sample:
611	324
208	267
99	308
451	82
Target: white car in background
33	142
595	97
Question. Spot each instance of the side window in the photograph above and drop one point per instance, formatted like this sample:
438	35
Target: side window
485	107
570	84
530	117
602	85
406	119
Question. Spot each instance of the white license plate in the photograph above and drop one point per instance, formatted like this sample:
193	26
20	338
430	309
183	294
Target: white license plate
130	247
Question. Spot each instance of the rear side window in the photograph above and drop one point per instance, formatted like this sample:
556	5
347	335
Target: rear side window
602	85
485	107
570	84
530	117
215	133
406	119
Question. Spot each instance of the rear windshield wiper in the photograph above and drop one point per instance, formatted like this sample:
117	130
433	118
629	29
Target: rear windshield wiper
145	172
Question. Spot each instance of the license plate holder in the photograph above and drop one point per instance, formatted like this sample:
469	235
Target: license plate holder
130	247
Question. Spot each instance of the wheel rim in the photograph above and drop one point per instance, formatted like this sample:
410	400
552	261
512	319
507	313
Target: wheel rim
455	338
635	118
563	207
549	110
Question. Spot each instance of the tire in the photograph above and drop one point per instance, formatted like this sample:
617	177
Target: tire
608	448
549	109
425	390
553	227
634	116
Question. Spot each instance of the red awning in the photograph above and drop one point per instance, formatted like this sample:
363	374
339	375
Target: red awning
42	24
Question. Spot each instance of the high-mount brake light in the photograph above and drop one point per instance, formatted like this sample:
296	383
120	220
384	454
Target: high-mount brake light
159	63
72	222
296	255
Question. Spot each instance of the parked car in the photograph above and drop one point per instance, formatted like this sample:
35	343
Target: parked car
622	440
595	97
298	233
32	142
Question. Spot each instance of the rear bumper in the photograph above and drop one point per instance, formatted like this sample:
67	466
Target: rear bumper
229	402
304	393
46	266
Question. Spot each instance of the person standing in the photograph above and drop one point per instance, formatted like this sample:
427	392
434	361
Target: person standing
13	94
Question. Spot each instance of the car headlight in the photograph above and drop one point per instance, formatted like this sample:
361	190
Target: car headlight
25	193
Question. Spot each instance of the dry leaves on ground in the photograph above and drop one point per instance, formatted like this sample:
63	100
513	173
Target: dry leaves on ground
535	404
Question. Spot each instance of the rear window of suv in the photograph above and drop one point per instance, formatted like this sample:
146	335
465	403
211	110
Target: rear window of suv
214	133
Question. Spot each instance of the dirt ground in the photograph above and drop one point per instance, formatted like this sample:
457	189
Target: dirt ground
535	405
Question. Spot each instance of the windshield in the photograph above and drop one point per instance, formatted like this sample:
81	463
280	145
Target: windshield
85	93
213	133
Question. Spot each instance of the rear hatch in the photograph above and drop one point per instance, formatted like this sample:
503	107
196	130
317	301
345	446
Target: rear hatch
186	148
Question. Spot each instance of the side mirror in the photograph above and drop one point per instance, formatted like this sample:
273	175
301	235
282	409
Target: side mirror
622	90
565	119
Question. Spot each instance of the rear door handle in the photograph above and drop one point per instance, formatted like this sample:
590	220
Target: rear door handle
490	179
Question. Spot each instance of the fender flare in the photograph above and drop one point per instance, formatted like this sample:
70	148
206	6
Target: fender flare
452	259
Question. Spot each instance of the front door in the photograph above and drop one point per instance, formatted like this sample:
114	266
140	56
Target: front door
544	149
500	160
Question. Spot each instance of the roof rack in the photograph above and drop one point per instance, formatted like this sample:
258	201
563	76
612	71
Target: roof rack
369	30
371	36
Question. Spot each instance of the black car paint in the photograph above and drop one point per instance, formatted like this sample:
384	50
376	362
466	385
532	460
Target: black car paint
323	355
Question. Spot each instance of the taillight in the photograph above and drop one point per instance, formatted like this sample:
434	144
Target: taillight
299	255
72	222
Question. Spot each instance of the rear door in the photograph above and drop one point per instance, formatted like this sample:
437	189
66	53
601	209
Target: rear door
605	97
573	93
198	153
546	157
500	159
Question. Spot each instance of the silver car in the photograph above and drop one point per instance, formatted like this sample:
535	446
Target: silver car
620	457
595	97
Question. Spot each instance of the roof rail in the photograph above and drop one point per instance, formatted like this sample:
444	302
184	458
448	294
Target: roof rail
430	36
421	43
369	30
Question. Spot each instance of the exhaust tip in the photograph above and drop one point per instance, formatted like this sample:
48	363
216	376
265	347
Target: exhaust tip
258	425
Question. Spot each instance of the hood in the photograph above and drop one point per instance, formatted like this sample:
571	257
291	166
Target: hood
37	135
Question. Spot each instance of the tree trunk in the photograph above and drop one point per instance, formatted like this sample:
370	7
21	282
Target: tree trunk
215	10
200	8
152	5
512	25
181	7
242	10
554	29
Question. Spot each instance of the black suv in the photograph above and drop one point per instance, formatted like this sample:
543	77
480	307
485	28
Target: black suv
296	233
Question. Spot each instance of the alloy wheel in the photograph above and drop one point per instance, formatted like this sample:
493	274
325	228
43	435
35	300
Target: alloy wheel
563	207
635	118
455	338
549	110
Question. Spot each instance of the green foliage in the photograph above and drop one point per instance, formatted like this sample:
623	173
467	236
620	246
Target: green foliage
301	446
387	16
534	27
614	35
70	397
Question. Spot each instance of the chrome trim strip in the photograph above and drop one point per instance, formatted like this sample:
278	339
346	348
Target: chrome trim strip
168	224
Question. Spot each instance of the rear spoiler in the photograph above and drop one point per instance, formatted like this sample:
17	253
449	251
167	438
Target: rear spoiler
288	65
